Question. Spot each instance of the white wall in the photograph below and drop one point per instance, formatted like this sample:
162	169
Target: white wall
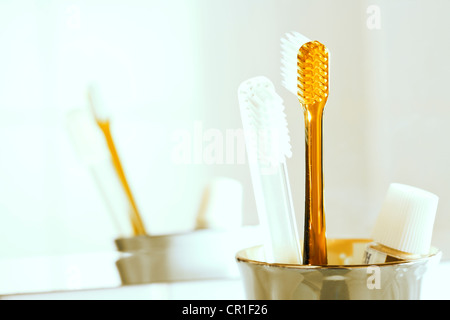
168	66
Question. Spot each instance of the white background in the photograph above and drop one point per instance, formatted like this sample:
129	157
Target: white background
166	66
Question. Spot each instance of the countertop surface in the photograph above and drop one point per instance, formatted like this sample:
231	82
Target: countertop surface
95	276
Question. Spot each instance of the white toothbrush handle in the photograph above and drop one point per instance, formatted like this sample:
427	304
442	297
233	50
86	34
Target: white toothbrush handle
276	213
113	197
294	247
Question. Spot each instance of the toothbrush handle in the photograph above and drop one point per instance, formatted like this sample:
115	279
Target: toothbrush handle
314	246
276	206
293	238
138	226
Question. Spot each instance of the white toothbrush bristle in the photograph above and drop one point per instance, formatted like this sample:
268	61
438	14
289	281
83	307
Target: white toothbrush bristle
263	115
290	45
96	103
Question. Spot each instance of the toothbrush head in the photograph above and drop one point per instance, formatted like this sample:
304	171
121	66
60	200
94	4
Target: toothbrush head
96	103
264	119
312	73
305	68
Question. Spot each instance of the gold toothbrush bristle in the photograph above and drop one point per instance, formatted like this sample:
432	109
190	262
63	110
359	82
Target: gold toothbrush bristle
312	79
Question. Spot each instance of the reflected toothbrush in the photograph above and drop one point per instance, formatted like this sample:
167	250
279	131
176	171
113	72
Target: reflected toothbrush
305	74
268	145
102	119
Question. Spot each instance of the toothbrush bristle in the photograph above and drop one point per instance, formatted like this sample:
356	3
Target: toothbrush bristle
312	73
304	68
263	114
290	45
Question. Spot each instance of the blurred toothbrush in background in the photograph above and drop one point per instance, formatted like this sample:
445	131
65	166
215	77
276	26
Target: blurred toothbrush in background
92	151
220	205
268	145
101	116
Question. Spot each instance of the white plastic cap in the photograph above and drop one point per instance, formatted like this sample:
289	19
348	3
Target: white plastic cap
406	219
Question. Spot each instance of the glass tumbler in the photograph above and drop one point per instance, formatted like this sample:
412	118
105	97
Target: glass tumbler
343	278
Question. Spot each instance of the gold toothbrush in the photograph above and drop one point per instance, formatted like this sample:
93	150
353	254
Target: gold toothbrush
104	124
311	87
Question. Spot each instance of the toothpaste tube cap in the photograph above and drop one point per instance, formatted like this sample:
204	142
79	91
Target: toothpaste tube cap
406	219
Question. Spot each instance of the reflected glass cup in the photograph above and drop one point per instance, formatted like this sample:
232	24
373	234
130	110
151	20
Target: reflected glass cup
191	256
344	278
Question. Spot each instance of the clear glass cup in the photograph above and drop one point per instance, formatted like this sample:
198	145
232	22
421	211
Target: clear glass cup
343	278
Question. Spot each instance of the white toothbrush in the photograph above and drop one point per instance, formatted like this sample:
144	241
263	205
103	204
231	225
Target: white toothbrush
268	145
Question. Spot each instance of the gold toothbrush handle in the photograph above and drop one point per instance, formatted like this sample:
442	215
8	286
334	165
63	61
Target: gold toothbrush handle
136	221
315	245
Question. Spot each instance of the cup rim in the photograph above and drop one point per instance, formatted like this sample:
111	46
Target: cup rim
240	258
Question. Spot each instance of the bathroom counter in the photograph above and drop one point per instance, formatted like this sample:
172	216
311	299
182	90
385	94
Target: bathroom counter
95	276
